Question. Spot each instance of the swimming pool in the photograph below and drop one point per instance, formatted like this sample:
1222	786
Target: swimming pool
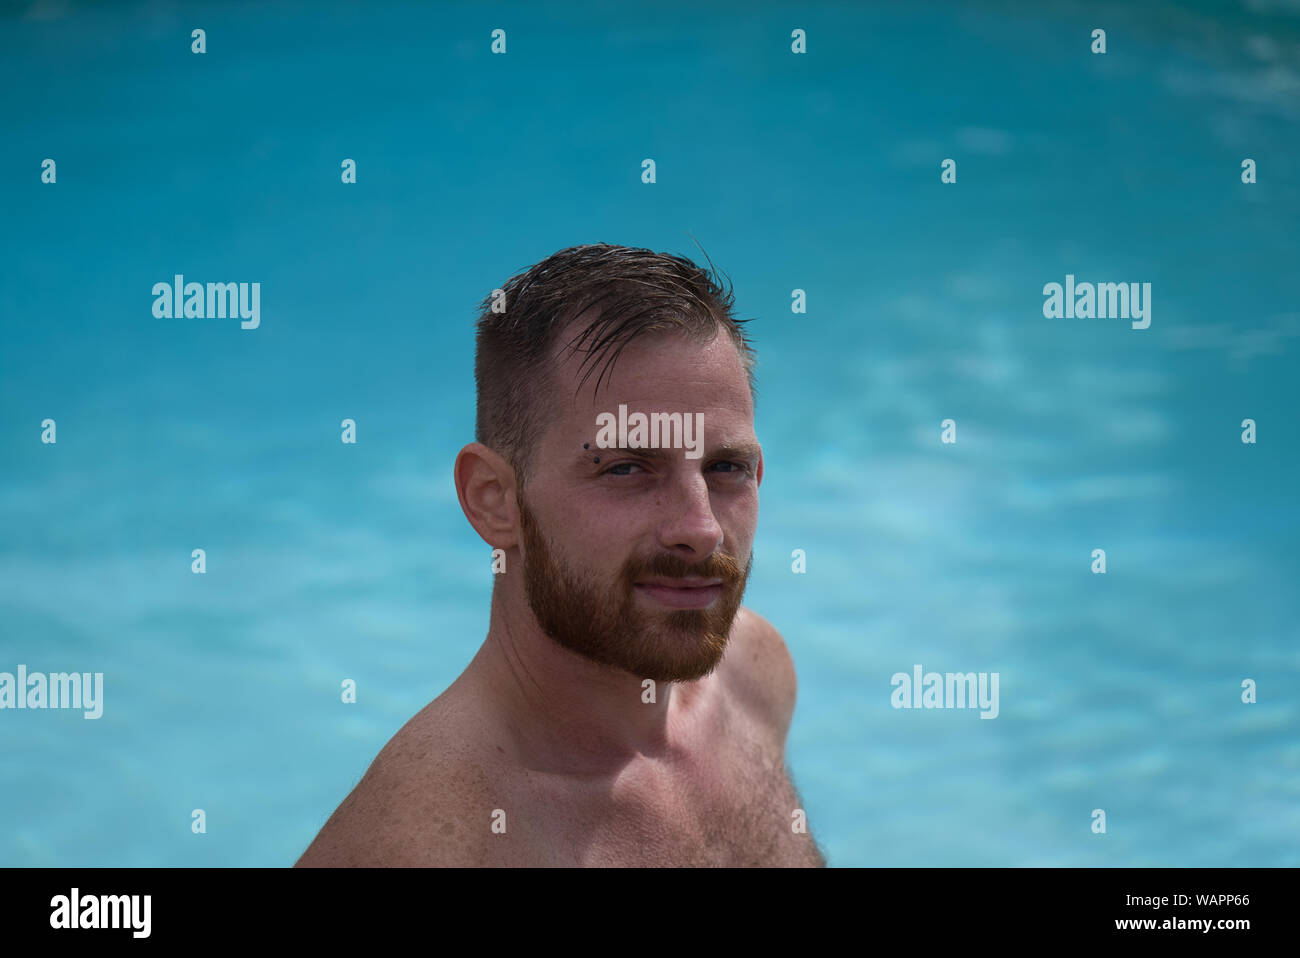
820	172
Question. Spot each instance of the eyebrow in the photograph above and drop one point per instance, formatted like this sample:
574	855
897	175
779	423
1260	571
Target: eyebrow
747	451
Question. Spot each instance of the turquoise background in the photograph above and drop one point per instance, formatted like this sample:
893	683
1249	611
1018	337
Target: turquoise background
819	172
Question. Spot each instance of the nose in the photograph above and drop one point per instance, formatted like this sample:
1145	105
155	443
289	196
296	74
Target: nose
690	528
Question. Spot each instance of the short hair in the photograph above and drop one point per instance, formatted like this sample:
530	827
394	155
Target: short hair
637	291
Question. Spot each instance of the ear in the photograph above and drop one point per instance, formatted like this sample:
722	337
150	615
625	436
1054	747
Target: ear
485	485
759	473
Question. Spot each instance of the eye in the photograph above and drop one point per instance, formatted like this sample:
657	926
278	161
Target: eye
611	471
737	468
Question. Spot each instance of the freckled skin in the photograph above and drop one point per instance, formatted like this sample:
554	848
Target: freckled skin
537	755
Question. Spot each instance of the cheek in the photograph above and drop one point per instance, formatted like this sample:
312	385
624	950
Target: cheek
740	523
740	512
587	543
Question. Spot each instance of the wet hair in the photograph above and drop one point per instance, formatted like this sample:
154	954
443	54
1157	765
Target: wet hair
634	291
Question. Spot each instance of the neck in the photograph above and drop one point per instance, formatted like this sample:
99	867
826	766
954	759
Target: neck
564	712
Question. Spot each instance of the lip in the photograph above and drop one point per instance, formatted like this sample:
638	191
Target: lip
688	582
682	593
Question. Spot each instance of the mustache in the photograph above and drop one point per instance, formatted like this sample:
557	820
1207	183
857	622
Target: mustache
719	565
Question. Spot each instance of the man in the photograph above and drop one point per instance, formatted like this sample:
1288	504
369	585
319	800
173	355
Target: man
624	708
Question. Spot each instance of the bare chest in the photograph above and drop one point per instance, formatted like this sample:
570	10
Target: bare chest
734	807
748	817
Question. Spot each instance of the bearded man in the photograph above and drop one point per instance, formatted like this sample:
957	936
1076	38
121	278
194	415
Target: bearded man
624	709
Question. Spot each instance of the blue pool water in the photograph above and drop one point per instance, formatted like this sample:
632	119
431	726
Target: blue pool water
821	172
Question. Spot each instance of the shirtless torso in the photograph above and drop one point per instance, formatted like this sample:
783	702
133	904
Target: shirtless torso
719	796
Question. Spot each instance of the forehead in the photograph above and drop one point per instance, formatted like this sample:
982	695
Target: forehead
667	370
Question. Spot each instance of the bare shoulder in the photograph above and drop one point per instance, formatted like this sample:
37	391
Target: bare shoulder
424	801
760	670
